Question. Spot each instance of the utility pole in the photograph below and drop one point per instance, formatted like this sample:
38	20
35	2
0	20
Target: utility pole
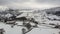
59	32
23	31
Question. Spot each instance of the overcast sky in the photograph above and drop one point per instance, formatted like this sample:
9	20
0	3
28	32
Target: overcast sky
29	3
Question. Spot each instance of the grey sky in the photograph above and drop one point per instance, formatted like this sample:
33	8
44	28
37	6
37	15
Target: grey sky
5	2
57	2
30	3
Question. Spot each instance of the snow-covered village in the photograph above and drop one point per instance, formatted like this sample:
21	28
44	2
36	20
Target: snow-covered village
29	17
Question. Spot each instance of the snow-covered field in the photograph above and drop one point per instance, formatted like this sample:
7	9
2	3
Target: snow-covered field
18	30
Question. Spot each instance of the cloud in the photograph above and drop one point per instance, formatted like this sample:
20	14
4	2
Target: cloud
30	3
57	2
5	2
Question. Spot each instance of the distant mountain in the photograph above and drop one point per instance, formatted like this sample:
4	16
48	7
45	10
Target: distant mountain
9	12
54	11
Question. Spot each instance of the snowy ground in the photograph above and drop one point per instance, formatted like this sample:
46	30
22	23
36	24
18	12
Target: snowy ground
18	30
40	17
